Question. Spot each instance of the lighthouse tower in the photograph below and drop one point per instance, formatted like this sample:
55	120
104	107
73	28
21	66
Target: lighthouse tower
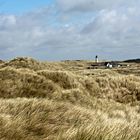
96	59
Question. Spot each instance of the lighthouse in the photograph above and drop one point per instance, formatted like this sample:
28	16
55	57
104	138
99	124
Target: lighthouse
96	59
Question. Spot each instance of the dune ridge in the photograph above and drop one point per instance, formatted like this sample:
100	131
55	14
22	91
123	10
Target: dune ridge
66	101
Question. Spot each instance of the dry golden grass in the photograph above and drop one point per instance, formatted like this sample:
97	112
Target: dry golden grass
66	101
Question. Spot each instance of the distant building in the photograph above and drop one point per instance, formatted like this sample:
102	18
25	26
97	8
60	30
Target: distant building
96	59
112	64
109	65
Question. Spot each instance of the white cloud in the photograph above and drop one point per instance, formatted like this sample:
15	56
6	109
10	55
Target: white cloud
7	21
116	31
113	33
89	5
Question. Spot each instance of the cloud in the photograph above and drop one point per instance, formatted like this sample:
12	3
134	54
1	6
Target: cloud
110	33
7	21
90	5
116	31
32	34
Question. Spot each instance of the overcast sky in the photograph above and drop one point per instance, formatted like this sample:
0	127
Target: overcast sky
70	29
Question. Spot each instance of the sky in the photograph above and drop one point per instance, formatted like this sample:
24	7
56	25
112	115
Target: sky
70	29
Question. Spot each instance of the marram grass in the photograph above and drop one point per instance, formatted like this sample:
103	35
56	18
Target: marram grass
66	101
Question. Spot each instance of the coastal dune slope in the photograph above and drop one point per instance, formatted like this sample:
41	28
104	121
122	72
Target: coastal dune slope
64	100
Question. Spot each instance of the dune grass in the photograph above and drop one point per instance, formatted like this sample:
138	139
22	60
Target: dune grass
43	101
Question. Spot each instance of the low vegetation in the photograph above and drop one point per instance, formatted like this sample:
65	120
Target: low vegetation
66	101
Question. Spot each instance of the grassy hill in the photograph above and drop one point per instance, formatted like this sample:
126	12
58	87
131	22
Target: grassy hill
133	61
67	101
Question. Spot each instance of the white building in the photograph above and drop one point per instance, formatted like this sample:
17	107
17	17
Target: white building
96	59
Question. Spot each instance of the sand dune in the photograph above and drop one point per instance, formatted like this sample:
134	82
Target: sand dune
66	101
